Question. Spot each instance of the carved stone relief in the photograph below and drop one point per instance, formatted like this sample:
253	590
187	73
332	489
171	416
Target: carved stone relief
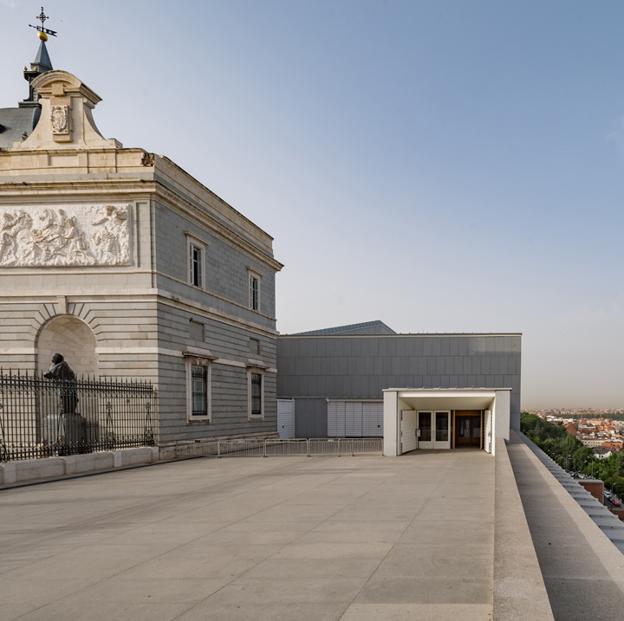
147	159
60	120
68	235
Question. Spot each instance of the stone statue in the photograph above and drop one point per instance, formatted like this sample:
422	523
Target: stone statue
66	429
60	370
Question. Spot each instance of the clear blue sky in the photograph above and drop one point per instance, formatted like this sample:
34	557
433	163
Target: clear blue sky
443	166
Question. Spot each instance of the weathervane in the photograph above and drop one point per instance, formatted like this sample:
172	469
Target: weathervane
42	31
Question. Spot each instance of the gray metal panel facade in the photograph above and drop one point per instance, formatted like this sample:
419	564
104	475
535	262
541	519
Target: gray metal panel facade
311	418
360	367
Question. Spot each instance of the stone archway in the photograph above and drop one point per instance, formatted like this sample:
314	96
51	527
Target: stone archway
71	337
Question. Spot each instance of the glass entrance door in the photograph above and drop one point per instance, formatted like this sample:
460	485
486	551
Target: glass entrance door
467	428
442	436
434	430
425	441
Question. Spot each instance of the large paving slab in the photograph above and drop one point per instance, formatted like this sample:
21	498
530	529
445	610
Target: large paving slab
352	538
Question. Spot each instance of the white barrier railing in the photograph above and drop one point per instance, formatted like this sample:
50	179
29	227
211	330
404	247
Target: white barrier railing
274	447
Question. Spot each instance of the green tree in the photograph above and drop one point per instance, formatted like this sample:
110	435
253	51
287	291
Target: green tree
617	485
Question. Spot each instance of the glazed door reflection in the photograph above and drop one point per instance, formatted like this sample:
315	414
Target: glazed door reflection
434	429
442	434
467	428
425	440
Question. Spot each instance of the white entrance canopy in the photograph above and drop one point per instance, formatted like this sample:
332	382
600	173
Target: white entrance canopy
402	405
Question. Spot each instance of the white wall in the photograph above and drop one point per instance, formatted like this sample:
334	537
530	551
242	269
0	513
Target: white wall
488	432
502	414
390	414
498	419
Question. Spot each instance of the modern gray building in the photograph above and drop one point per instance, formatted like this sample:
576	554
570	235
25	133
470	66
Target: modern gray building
333	383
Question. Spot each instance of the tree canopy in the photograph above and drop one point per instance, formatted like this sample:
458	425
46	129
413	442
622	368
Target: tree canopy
572	454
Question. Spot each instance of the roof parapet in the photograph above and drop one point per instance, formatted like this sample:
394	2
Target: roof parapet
66	115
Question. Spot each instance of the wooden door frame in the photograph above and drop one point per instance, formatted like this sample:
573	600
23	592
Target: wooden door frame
467	413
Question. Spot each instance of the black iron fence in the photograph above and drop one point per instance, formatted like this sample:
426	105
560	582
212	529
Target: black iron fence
41	417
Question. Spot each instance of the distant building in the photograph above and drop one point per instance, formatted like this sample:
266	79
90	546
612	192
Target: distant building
591	441
601	453
612	445
570	429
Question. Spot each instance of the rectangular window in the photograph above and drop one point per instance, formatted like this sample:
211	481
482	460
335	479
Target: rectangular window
255	397
199	375
442	429
254	346
196	260
198	389
254	292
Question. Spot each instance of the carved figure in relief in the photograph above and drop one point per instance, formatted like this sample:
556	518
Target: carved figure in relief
74	235
75	241
8	238
11	236
112	240
46	242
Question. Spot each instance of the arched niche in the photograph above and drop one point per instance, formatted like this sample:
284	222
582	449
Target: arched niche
71	337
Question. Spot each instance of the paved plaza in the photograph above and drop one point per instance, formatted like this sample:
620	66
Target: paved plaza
354	538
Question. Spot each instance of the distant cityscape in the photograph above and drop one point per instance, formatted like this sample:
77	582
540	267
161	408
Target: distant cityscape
579	412
602	430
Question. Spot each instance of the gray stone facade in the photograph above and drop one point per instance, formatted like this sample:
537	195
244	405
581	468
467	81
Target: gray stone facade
143	317
313	369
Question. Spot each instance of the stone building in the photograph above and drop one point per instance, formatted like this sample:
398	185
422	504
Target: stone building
129	266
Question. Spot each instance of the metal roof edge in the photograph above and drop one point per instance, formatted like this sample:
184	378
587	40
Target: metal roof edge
441	389
398	334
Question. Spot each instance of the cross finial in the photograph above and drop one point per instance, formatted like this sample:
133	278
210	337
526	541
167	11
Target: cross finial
42	17
42	31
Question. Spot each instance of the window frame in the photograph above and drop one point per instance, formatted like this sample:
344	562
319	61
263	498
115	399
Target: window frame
254	276
250	415
194	243
190	362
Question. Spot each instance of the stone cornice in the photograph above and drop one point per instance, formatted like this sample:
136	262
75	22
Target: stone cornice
24	191
166	167
205	219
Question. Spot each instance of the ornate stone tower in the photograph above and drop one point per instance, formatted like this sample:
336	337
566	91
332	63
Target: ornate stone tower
59	235
129	266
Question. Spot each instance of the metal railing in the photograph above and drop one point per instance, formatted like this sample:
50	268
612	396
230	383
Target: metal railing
274	447
42	417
